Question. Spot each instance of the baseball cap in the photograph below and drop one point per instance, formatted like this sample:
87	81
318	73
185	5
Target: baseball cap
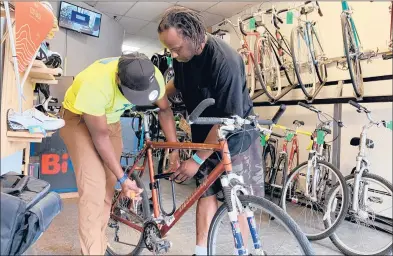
139	83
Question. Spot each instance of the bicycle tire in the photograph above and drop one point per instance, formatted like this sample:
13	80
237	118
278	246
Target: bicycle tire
269	150
352	49
295	158
320	68
296	64
282	159
334	238
259	57
146	215
330	230
248	67
287	51
272	210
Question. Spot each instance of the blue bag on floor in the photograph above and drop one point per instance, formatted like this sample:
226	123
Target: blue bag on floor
27	209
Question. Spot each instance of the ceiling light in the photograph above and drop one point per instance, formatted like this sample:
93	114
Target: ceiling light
128	48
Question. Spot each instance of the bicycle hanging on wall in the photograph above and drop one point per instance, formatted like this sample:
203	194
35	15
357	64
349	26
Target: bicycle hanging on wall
352	49
307	52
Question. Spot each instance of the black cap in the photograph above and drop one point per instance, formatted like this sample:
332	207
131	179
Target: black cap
139	83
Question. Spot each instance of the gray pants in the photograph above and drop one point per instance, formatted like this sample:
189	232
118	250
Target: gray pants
249	164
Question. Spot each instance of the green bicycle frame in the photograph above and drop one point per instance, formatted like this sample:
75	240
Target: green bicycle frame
345	7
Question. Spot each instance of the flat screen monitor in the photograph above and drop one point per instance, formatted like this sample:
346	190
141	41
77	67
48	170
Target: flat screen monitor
79	19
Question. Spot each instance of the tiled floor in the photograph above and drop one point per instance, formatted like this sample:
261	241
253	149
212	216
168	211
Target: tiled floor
62	236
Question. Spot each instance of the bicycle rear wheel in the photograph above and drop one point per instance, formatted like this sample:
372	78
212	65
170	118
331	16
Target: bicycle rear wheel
369	230
303	61
123	239
293	241
268	67
249	70
352	52
308	212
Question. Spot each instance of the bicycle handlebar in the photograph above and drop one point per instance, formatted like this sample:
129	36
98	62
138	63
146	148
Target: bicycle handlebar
241	28
359	107
309	107
200	108
279	113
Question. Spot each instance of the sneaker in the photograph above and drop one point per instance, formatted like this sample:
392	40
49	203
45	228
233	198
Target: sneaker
34	118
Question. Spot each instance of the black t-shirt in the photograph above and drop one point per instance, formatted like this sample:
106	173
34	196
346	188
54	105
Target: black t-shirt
219	73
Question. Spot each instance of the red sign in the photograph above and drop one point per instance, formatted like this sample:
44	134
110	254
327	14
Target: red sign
52	164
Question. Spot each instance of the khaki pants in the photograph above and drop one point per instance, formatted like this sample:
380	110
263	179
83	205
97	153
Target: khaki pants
94	180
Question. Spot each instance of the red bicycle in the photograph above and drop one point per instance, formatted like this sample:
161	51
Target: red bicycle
132	227
283	161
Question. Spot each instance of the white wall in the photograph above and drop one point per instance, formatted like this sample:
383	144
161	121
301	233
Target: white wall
373	22
80	50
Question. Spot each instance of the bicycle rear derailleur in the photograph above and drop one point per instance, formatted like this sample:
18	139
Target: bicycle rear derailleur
153	240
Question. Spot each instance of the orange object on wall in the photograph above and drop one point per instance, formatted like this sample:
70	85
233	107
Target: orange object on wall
33	22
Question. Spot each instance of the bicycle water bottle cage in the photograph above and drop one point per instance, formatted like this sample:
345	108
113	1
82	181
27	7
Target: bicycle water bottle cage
156	185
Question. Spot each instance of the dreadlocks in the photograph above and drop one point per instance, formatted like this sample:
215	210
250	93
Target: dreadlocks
188	22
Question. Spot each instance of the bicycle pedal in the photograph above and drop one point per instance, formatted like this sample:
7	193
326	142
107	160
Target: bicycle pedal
162	246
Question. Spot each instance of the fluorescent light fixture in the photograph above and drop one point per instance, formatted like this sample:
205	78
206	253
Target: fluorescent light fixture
128	48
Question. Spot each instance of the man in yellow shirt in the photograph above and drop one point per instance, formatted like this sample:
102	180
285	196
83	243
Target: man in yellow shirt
92	134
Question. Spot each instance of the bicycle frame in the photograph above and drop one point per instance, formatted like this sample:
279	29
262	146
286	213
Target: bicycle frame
225	166
307	29
347	10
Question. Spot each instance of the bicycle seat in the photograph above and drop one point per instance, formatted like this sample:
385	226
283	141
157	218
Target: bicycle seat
355	141
297	122
144	108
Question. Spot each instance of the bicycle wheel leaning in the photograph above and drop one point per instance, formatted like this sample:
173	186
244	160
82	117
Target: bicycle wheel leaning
122	239
307	62
268	67
352	52
296	198
369	230
277	183
293	240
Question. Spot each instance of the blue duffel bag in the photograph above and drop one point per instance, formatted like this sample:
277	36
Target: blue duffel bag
27	209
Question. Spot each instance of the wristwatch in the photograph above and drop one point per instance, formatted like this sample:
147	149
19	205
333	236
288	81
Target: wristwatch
123	179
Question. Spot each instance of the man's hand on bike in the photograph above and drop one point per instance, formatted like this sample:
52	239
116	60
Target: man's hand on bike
174	161
131	190
186	171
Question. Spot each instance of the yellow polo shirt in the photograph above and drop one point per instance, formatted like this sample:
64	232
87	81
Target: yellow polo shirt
95	91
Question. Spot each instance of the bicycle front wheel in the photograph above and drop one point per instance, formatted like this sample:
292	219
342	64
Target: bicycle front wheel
268	67
280	237
368	231
303	61
309	209
122	238
352	52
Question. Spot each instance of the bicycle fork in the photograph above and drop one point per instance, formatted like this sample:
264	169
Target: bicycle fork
312	164
234	211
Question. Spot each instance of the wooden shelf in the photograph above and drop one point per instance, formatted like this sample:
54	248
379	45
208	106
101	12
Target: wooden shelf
43	81
25	136
41	72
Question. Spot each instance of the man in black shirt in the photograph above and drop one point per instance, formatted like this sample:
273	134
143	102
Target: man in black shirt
207	67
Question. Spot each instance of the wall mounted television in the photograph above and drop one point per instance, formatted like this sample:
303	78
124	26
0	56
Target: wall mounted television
79	19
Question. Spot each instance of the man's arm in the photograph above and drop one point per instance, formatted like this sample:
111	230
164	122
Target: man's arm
165	116
99	132
170	88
